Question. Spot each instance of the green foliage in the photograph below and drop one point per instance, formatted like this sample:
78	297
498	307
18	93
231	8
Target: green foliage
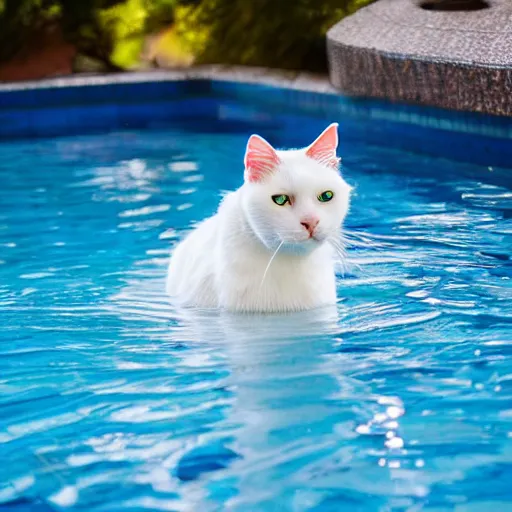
159	13
82	24
112	31
19	19
273	33
125	23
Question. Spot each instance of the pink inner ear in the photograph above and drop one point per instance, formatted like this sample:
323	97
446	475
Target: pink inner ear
323	150
260	159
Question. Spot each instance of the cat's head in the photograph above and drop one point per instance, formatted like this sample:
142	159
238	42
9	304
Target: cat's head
296	197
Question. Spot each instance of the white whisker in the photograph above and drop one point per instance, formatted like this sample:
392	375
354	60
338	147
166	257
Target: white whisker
337	243
270	263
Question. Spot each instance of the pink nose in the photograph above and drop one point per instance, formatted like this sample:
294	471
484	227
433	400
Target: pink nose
310	223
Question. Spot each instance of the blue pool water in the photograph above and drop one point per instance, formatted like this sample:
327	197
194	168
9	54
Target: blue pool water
399	400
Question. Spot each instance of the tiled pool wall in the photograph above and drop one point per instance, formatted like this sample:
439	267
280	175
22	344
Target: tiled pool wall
269	101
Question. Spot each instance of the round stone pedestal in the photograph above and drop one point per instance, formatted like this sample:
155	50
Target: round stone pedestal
456	56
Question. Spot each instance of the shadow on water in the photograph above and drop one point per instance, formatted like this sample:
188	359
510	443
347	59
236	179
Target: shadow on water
293	408
282	382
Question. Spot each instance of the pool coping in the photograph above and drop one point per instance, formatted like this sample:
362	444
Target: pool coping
297	80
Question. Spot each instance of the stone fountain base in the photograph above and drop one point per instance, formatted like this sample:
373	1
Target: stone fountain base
416	51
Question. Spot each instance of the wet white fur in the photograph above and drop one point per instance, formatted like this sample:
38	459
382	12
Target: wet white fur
224	262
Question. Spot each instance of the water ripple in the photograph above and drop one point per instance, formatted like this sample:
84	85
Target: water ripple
399	398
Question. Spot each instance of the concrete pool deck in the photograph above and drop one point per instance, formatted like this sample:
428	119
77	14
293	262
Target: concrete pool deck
404	50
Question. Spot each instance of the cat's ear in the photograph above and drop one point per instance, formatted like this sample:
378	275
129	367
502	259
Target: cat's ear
260	160
323	150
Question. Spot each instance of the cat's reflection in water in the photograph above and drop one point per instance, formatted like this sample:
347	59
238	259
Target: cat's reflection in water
284	384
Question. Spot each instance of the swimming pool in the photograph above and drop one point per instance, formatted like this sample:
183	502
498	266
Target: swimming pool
399	399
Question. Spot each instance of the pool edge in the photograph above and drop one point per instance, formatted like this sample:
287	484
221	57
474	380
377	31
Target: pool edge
55	106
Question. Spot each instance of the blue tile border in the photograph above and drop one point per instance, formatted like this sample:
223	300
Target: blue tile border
80	104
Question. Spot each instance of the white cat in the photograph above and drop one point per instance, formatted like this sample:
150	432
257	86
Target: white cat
272	245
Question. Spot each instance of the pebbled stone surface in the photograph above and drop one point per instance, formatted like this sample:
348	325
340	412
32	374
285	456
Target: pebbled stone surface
394	49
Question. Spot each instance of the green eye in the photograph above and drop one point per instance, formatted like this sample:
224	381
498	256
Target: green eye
281	199
326	196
